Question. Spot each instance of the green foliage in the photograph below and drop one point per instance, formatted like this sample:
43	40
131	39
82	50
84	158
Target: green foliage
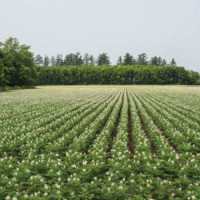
17	68
100	143
46	61
72	59
136	74
142	59
158	61
3	78
194	77
52	62
88	59
120	61
128	59
173	62
39	60
59	61
103	59
16	64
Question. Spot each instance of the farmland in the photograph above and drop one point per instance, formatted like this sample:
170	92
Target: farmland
100	142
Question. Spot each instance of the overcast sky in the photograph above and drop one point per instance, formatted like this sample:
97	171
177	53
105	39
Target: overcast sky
166	28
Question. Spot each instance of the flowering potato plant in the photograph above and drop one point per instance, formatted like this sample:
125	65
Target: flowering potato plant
100	142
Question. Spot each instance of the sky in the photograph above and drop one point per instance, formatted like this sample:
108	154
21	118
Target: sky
166	28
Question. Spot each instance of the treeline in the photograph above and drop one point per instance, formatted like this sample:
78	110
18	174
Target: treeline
19	67
103	59
137	74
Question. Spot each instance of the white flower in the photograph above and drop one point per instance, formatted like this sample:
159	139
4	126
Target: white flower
120	187
85	162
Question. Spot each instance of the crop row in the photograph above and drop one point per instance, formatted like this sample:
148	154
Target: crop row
125	142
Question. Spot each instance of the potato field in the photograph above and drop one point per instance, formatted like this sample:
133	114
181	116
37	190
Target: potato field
100	143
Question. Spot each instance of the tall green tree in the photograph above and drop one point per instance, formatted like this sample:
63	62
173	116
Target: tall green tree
53	62
120	61
159	61
3	78
103	59
75	59
68	61
19	62
128	59
78	59
86	59
59	60
46	60
173	62
193	77
92	60
154	61
39	60
164	62
142	59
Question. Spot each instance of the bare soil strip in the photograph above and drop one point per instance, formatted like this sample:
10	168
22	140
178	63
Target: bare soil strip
131	142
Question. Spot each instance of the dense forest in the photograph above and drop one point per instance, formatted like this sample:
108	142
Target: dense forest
137	74
19	67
